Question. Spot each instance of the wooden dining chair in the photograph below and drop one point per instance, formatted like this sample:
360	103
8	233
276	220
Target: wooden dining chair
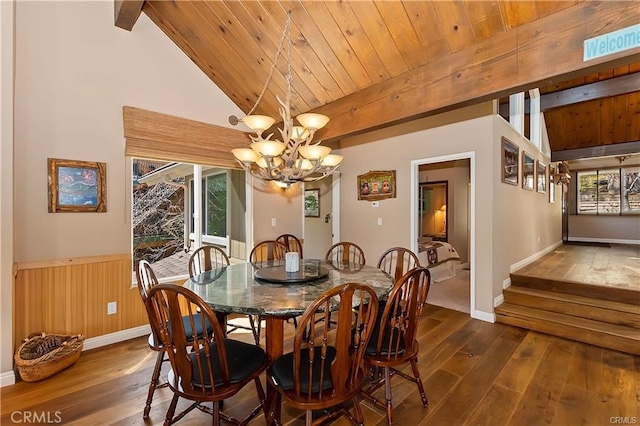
205	367
291	242
266	251
345	252
325	368
397	261
146	280
262	253
207	258
393	342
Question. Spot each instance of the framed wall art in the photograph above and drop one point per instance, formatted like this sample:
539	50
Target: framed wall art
541	177
510	162
377	185
312	203
528	171
77	186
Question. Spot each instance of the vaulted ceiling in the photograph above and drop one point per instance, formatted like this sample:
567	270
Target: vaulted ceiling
371	64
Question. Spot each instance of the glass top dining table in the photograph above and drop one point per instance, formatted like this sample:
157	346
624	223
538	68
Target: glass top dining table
236	289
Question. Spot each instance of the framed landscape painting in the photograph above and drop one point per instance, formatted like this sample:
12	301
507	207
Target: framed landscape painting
528	171
77	186
312	203
510	162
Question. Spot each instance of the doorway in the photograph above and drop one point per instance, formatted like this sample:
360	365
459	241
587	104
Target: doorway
321	230
458	170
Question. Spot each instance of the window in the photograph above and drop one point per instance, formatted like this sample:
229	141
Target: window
214	208
631	191
609	192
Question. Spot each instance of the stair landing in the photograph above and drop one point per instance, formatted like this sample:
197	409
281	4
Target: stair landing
585	293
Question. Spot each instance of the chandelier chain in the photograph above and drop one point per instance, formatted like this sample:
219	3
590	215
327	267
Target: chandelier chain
286	34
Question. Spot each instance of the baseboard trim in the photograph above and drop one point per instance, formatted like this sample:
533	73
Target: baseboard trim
484	316
7	378
603	240
499	300
118	336
534	257
506	283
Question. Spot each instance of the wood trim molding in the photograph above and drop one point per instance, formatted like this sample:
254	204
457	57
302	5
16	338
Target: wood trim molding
587	92
126	13
504	64
159	136
73	261
596	151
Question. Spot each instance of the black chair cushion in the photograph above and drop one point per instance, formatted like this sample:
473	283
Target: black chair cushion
244	359
187	326
388	335
282	371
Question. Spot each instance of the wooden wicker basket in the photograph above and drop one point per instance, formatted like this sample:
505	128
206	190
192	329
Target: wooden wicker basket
42	355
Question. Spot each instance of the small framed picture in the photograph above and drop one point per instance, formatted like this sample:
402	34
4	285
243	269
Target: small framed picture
541	177
528	171
377	185
510	162
312	203
77	186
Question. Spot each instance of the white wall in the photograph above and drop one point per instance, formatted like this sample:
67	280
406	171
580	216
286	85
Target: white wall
512	224
466	130
6	191
526	222
74	71
271	202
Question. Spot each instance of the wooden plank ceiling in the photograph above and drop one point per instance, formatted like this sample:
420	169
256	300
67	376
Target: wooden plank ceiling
370	64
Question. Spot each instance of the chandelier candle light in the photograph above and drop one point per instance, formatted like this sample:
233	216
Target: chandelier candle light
294	158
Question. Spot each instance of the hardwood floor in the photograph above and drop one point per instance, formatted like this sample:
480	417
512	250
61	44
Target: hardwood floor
475	373
609	265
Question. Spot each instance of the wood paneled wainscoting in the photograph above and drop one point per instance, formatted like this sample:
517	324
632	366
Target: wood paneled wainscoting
70	296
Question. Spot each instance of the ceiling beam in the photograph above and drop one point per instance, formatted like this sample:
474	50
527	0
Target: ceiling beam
126	13
588	92
596	151
536	54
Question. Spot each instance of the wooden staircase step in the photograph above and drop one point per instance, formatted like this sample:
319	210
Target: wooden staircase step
579	306
614	294
613	336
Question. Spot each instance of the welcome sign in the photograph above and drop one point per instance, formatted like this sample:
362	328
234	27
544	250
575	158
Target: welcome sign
607	44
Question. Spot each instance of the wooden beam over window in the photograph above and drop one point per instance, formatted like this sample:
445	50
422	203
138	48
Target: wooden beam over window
126	13
532	55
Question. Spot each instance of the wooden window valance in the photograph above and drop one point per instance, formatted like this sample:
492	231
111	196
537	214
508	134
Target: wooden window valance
157	136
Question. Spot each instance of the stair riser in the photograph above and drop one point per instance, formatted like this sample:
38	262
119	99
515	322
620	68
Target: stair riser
574	309
578	334
586	290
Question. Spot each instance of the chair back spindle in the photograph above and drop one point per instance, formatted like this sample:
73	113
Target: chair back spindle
345	252
207	258
397	261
